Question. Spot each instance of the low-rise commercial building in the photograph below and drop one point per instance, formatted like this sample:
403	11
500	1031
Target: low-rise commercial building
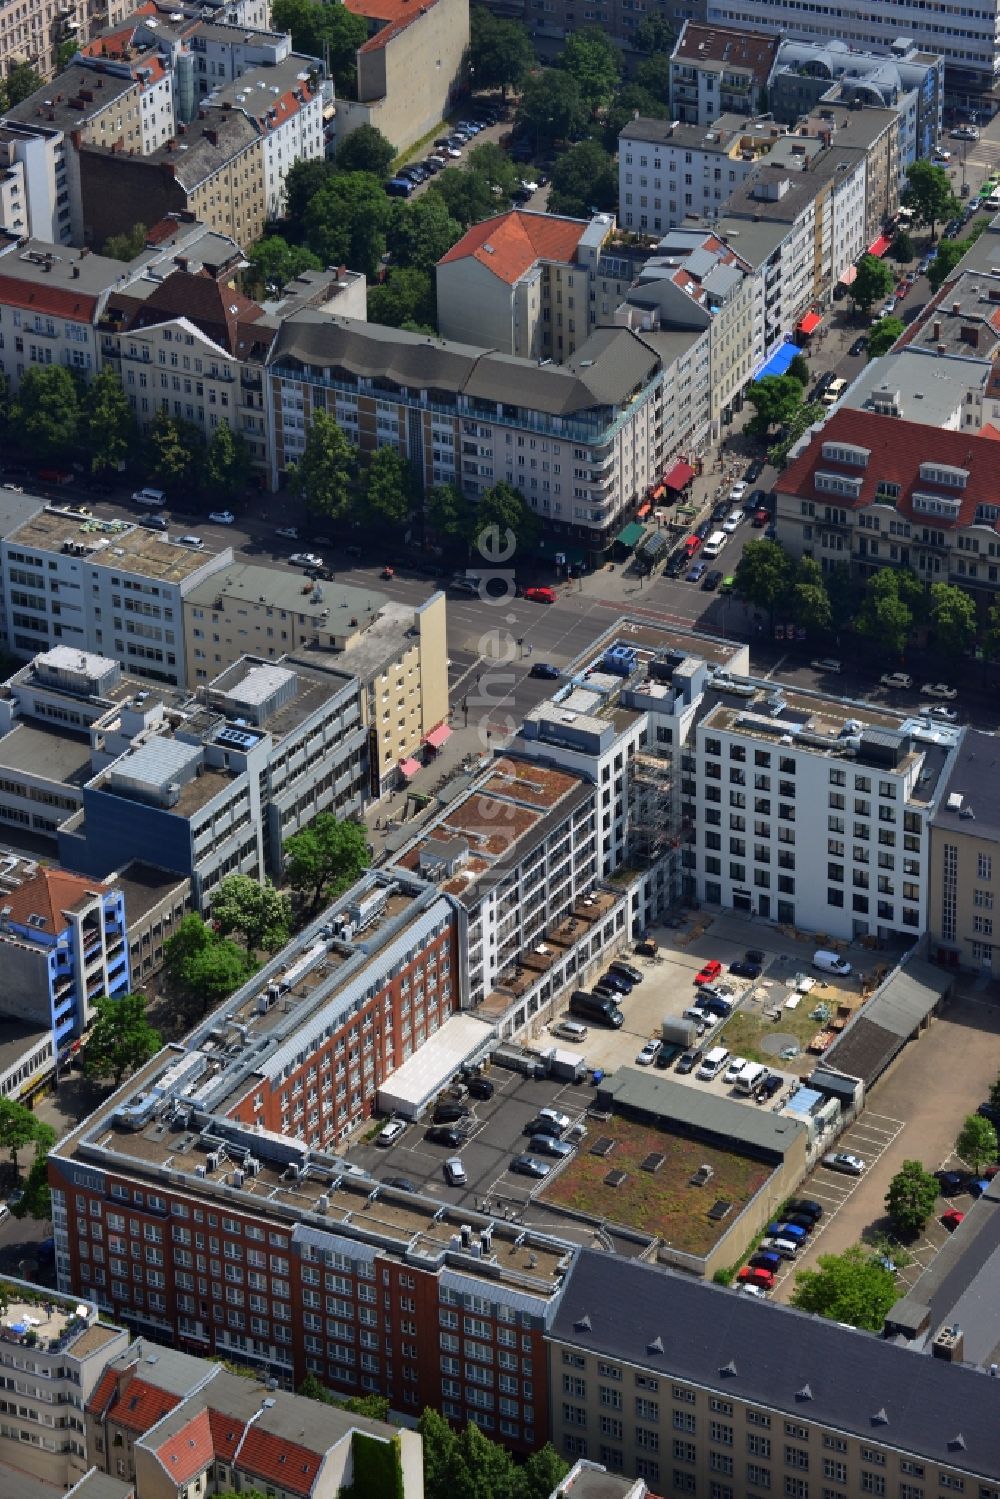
716	70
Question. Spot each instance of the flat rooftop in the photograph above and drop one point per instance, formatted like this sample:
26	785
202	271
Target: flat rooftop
260	89
144	886
117	544
314	689
17	1037
277	588
963	319
919	387
50	753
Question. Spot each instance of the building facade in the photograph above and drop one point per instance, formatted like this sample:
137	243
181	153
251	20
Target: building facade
669	171
964	858
716	71
51	299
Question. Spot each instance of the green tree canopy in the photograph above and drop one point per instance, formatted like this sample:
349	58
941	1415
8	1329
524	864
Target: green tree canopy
928	192
655	33
493	163
949	253
326	858
176	451
21	82
883	335
126	246
325	473
366	150
500	53
873	282
552	106
911	1198
468	195
447	512
584	177
952	619
203	965
848	1287
228	464
631	99
107	430
304	180
404	300
504	508
20	1128
46	411
274	262
347	219
653	75
763	574
799	370
36	1197
885	618
977	1142
809	603
259	913
592	59
65	53
121	1039
903	248
422	231
315	27
775	400
391	490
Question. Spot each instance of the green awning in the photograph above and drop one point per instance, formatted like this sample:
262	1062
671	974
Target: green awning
631	535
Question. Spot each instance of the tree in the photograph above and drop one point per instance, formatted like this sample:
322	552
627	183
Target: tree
977	1142
991	636
503	507
274	262
405	300
390	489
911	1198
260	914
424	230
325	473
631	100
126	246
121	1038
884	617
21	82
593	60
763	574
366	150
809	606
873	282
928	192
655	33
490	1465
653	76
46	411
36	1198
228	465
317	29
65	53
500	52
775	400
107	428
952	619
995	1094
493	163
200	963
448	513
304	180
176	451
347	219
442	1458
883	335
326	858
799	370
584	177
542	1473
468	195
903	248
848	1287
19	1128
552	106
949	253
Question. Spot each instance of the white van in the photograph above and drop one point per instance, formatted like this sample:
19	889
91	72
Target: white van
833	392
714	545
830	962
749	1078
150	497
713	1063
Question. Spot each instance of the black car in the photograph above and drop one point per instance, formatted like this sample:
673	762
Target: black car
449	1113
800	1220
431	166
771	1085
754	955
543	1126
711	581
755	470
690	1060
858	346
676	565
757	500
721	510
805	1207
480	1087
744	970
401	1183
951	1182
546	671
989	1111
705	529
444	1134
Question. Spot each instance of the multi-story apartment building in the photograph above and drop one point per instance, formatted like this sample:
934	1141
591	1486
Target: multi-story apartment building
217	788
668	171
108	587
143	63
34	191
715	70
698	1391
964	857
285	101
871	490
51	299
34	32
397	653
62	946
583	441
53	1350
968	42
814	812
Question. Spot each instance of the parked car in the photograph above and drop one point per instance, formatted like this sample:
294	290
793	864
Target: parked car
289	533
401	1183
392	1132
649	1053
950	1182
546	671
445	1134
481	1087
827	664
737	492
450	1113
754	471
709	971
944	713
221	517
858	346
543	595
454	1172
897	679
805	1206
772	1084
786	1249
787	1231
889	308
153	522
733	1070
756	1275
720	511
529	1165
741	969
549	1145
951	1219
939	689
196	543
690	1059
711	581
843	1160
761	518
305	559
460	584
732	522
801	1220
696	573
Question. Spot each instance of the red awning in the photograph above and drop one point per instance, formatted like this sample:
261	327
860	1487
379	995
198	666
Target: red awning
643	510
438	736
682	473
810	322
880	246
409	767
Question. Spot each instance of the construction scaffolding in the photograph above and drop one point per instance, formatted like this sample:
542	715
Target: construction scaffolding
653	808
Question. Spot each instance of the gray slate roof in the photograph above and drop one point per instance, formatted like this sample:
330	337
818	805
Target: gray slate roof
975	776
776	1352
907	999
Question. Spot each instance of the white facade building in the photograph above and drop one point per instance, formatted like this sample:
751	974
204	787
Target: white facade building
290	116
668	171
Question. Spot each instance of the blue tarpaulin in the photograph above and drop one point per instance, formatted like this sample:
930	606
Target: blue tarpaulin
779	361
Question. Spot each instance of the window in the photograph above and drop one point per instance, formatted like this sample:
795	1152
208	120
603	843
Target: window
758	1478
720	1432
684	1452
796	1488
684	1421
758	1446
834	1469
796	1457
872	1483
984	869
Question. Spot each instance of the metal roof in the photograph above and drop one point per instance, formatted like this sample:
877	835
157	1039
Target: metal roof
646	1092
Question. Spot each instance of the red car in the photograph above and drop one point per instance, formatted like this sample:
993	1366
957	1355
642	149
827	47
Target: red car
751	1275
541	595
761	518
692	544
902	289
951	1219
709	971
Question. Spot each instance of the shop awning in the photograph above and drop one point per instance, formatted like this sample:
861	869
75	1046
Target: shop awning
644	509
810	322
438	736
409	767
681	474
779	361
850	276
630	535
658	492
880	246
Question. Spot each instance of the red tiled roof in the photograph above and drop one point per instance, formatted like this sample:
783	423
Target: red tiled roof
278	1461
189	1451
111	43
49	894
509	244
990	432
102	1392
213	1436
216	308
138	1407
897	450
393	15
57	300
226	1434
